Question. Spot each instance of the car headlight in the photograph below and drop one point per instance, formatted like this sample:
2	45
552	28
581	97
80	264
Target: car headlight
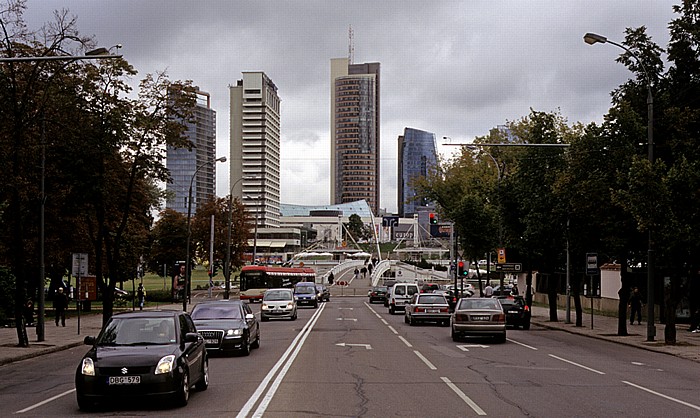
234	332
296	297
264	307
88	367
290	305
165	365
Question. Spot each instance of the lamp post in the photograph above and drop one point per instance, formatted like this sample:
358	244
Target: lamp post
227	267
189	232
592	38
99	53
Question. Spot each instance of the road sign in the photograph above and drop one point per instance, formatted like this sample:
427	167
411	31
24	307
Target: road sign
80	264
591	264
509	267
501	256
390	220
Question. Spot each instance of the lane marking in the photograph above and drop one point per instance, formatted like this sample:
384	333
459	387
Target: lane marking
524	345
463	396
425	360
384	321
367	346
465	347
45	401
405	341
393	330
261	388
576	364
689	405
346	319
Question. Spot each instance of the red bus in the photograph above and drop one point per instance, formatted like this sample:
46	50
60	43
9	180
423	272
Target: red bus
255	280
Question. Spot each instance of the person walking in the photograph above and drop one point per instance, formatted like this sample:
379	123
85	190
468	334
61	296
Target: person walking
60	304
141	295
356	274
29	312
635	306
488	290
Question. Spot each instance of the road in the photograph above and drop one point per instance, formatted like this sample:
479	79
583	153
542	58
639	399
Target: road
350	358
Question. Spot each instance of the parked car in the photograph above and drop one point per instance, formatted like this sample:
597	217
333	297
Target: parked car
505	292
517	312
278	303
143	354
427	307
377	294
478	317
227	326
449	296
429	287
305	294
400	295
322	293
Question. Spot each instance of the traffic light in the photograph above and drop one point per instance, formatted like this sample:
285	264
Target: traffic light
461	271
215	269
433	219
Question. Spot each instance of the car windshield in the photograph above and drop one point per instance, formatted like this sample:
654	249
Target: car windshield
138	331
432	299
304	290
486	303
201	312
277	295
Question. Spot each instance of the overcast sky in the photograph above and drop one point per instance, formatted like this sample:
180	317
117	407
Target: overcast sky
455	68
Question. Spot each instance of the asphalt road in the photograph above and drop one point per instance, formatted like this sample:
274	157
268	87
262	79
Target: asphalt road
351	359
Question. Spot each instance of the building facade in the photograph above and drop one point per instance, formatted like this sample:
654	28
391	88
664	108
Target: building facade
417	156
255	147
182	163
355	141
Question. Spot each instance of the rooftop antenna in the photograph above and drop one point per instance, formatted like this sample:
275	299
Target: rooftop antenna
351	45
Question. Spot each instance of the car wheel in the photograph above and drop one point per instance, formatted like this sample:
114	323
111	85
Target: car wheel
526	325
84	404
405	318
455	336
501	338
182	396
411	321
256	343
203	383
245	349
391	309
294	317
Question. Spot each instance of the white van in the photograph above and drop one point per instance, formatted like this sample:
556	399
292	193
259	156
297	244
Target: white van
400	295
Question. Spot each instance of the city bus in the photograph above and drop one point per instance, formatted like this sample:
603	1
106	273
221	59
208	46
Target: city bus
255	280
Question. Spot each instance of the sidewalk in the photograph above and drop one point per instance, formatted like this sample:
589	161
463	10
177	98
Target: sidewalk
604	328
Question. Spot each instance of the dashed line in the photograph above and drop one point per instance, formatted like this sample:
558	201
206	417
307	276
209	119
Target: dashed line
524	345
405	341
576	364
464	397
689	405
425	360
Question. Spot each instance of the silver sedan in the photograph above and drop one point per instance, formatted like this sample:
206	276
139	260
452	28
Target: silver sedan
479	317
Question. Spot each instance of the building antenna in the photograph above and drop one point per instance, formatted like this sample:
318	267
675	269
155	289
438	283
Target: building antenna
351	45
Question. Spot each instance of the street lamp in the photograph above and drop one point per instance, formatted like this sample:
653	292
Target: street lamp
592	38
227	267
99	53
189	232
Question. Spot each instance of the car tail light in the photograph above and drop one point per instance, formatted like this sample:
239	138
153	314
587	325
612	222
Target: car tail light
461	317
419	309
443	310
500	317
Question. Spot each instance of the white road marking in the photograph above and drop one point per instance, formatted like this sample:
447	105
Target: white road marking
463	396
346	319
576	364
689	405
393	330
367	346
425	360
465	347
45	401
384	321
405	341
346	309
524	345
636	363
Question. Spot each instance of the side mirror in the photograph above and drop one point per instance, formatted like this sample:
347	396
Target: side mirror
191	337
89	340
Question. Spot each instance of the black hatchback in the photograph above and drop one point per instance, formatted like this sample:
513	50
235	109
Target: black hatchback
143	354
517	312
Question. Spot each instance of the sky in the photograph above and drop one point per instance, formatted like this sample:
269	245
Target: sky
454	68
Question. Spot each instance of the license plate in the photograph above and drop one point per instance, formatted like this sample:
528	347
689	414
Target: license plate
432	310
124	380
480	318
212	342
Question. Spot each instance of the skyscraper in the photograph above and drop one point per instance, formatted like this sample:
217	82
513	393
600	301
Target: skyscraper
255	146
183	163
354	131
417	156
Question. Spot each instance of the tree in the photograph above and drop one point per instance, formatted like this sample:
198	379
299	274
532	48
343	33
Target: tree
357	229
168	238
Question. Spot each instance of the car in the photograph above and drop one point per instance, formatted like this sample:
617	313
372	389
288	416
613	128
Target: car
505	292
450	296
388	295
400	295
517	312
227	326
427	307
143	354
322	293
278	303
429	287
478	317
305	294
377	294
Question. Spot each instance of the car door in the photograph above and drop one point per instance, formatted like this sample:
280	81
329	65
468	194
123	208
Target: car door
193	352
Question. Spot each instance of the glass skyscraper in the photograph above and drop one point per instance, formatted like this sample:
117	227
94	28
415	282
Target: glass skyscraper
417	157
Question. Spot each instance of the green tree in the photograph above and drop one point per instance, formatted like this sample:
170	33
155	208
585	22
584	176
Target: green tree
357	229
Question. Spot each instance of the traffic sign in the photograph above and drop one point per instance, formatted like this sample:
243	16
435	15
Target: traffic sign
80	264
390	220
509	267
591	264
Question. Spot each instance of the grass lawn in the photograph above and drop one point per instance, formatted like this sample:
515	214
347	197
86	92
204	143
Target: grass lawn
200	277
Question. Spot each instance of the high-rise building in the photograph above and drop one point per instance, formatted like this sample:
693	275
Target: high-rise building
417	156
354	131
182	162
255	147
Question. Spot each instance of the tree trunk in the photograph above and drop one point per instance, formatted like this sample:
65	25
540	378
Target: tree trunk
624	296
577	301
552	290
670	302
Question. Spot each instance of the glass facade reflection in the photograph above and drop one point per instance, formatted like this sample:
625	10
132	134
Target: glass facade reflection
417	157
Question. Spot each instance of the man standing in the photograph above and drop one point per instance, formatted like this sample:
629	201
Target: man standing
635	306
488	290
141	295
60	303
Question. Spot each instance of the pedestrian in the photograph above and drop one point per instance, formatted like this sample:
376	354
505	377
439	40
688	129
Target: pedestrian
364	272
331	278
60	304
488	290
514	290
635	306
29	312
141	295
356	274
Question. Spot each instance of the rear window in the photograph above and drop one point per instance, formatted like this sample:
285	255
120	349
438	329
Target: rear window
432	299
479	304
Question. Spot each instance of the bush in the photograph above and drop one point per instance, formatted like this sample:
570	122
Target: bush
159	296
7	296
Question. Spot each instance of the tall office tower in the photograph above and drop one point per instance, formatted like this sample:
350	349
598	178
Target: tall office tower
255	146
417	156
355	132
183	163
